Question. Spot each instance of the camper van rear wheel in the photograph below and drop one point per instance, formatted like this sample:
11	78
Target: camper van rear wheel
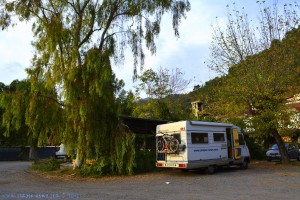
211	169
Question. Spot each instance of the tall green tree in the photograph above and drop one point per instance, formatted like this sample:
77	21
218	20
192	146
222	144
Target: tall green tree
17	135
127	102
215	100
29	116
262	66
13	102
75	42
162	88
45	115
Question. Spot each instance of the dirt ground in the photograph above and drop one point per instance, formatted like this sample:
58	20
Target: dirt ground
262	180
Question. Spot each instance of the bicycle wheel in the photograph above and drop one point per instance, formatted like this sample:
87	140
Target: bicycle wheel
174	145
160	145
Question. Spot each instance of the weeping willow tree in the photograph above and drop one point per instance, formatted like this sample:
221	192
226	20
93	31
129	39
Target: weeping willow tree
75	42
30	115
44	114
13	106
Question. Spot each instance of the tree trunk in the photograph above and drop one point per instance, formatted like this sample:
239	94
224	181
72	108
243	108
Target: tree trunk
282	150
33	153
81	150
79	158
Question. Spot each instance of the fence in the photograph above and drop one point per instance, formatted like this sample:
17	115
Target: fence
22	153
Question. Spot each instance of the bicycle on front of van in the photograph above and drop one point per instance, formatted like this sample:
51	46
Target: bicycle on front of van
167	144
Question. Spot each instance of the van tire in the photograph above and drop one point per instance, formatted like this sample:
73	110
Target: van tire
210	169
244	164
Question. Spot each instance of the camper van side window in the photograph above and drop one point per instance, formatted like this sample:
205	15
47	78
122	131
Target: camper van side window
199	138
219	137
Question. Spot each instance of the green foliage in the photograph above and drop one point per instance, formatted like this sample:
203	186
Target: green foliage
99	168
171	108
162	89
145	161
30	113
261	67
12	137
238	121
242	37
145	153
13	103
162	83
257	152
75	43
207	118
46	165
155	85
261	72
119	160
127	102
123	151
217	97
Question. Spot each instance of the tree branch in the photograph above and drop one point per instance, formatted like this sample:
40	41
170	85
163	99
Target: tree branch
52	99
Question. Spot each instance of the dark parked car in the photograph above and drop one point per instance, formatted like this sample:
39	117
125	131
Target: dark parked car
292	149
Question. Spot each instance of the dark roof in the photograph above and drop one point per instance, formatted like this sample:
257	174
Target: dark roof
142	126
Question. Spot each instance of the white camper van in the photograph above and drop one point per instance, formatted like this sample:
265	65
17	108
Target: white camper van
196	144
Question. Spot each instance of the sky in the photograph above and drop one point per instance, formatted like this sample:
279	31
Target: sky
188	53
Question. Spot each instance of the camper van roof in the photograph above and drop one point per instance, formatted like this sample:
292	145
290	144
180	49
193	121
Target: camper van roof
210	123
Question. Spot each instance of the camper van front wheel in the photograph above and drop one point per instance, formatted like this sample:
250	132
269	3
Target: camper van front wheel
244	164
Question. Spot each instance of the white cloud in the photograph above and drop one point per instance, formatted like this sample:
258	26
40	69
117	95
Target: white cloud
15	52
187	52
12	71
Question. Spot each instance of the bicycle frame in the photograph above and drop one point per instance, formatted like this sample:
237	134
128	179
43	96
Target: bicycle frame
167	144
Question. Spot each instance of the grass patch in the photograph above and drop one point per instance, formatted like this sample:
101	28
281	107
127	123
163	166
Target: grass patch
51	167
291	163
274	164
46	165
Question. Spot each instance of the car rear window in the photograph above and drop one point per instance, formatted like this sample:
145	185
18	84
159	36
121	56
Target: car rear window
274	146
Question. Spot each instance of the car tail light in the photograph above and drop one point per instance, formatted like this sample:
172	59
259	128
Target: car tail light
182	165
159	164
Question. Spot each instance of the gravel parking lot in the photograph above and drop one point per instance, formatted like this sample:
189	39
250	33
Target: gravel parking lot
260	181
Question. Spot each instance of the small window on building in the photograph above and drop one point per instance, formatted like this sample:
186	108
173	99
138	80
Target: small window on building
219	137
199	138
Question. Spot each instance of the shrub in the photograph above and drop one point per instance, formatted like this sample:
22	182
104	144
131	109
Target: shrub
99	168
256	151
123	151
46	165
145	161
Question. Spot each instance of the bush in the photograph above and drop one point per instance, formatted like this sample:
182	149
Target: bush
98	168
256	151
145	161
46	165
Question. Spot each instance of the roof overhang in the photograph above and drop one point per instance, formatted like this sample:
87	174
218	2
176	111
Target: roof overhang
142	126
